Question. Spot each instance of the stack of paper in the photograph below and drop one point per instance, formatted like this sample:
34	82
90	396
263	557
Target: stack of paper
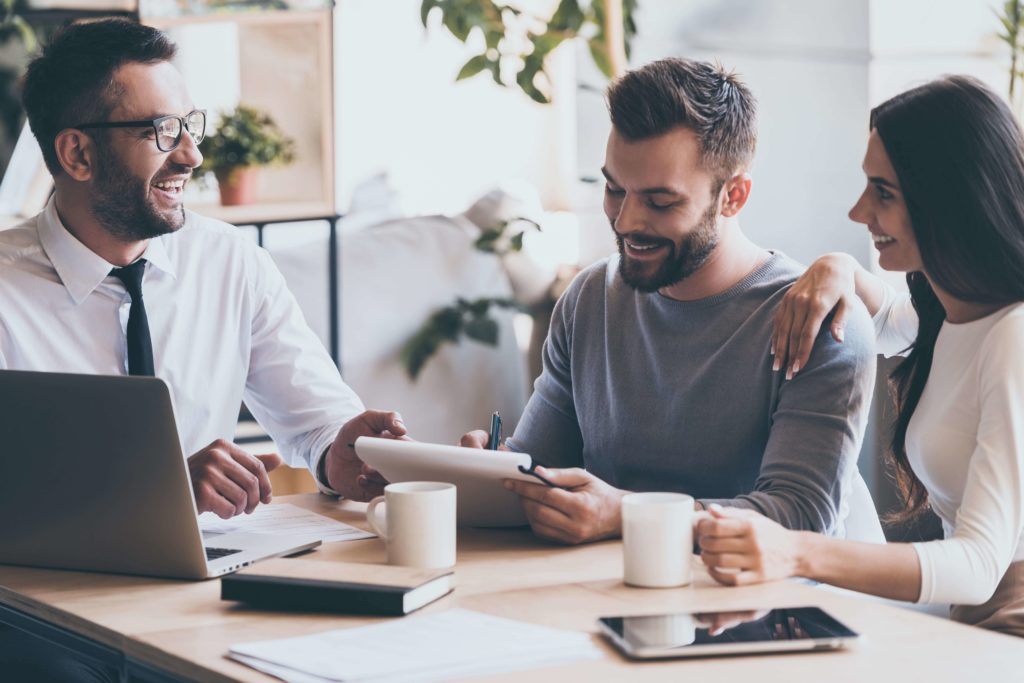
282	519
436	647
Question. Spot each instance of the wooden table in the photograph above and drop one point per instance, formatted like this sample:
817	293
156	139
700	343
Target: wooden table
170	630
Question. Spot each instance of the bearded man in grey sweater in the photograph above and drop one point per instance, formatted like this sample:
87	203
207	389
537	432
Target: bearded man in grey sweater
657	369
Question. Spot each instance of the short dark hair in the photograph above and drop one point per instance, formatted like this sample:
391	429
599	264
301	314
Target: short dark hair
704	97
72	81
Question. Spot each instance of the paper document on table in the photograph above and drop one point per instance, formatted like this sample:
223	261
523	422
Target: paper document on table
433	647
282	519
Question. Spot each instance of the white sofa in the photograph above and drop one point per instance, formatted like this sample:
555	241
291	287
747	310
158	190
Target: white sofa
392	277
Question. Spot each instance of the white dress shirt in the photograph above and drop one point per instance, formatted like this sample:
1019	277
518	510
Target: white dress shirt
966	445
223	323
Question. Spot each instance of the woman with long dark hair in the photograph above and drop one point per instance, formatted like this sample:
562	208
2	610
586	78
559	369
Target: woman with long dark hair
944	203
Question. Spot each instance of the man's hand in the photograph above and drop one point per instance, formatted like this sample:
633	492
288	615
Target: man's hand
346	473
229	481
478	438
741	547
590	510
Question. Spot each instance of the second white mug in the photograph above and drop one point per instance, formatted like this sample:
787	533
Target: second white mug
657	539
418	524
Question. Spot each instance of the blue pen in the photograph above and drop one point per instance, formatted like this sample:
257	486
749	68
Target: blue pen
495	438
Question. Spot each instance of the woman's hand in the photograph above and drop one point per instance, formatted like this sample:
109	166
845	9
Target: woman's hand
828	285
740	547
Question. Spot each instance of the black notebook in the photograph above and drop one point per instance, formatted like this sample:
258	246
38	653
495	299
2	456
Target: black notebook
303	585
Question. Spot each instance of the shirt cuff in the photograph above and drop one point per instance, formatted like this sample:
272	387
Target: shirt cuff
927	573
320	471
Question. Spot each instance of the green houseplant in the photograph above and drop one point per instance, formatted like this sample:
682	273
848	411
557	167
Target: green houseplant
246	139
517	43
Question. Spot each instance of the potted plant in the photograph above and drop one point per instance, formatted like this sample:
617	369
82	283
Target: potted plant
246	139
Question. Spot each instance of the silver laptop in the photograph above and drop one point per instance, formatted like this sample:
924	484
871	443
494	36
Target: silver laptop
92	477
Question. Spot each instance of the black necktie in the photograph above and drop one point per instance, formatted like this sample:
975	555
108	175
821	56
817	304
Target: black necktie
140	346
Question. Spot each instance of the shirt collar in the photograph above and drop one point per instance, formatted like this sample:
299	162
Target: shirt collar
79	267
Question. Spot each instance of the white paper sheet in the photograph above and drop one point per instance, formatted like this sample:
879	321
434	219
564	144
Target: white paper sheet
282	519
435	647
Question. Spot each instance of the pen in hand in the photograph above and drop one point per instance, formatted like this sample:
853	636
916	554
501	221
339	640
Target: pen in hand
495	436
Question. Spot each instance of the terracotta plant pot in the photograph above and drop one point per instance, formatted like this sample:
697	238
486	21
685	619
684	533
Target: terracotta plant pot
238	186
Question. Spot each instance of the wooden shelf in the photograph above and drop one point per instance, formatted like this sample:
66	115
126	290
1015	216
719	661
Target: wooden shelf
284	67
242	18
251	214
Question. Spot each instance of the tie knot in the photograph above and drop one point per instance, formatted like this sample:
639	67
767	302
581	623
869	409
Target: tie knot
131	276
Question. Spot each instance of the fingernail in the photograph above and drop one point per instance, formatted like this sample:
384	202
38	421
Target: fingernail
776	364
715	506
771	349
796	367
789	373
839	334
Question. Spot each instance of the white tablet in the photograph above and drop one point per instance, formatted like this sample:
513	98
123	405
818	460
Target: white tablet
738	632
481	499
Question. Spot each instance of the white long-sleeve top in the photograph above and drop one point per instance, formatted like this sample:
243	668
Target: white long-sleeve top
965	442
223	323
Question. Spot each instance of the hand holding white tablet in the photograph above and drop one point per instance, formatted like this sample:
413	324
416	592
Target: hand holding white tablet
476	473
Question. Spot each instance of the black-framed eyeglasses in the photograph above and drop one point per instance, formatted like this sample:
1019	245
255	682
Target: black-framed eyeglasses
167	129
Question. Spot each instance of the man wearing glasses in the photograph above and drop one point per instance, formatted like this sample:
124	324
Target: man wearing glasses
116	277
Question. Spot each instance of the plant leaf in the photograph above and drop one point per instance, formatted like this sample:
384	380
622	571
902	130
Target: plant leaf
487	240
493	36
425	10
516	243
447	323
495	67
27	33
525	79
472	67
568	17
599	53
479	307
483	330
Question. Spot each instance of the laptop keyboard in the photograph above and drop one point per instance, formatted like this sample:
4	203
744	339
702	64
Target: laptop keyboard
217	553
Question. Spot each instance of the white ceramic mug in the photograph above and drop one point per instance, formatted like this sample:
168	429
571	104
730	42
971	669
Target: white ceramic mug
418	523
657	539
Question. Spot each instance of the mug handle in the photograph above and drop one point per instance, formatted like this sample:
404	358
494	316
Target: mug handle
377	522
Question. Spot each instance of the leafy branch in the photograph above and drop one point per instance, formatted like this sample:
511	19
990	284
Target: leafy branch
520	42
470	318
1012	19
494	241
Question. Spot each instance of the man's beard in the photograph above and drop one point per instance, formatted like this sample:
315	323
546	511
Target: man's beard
121	204
683	260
